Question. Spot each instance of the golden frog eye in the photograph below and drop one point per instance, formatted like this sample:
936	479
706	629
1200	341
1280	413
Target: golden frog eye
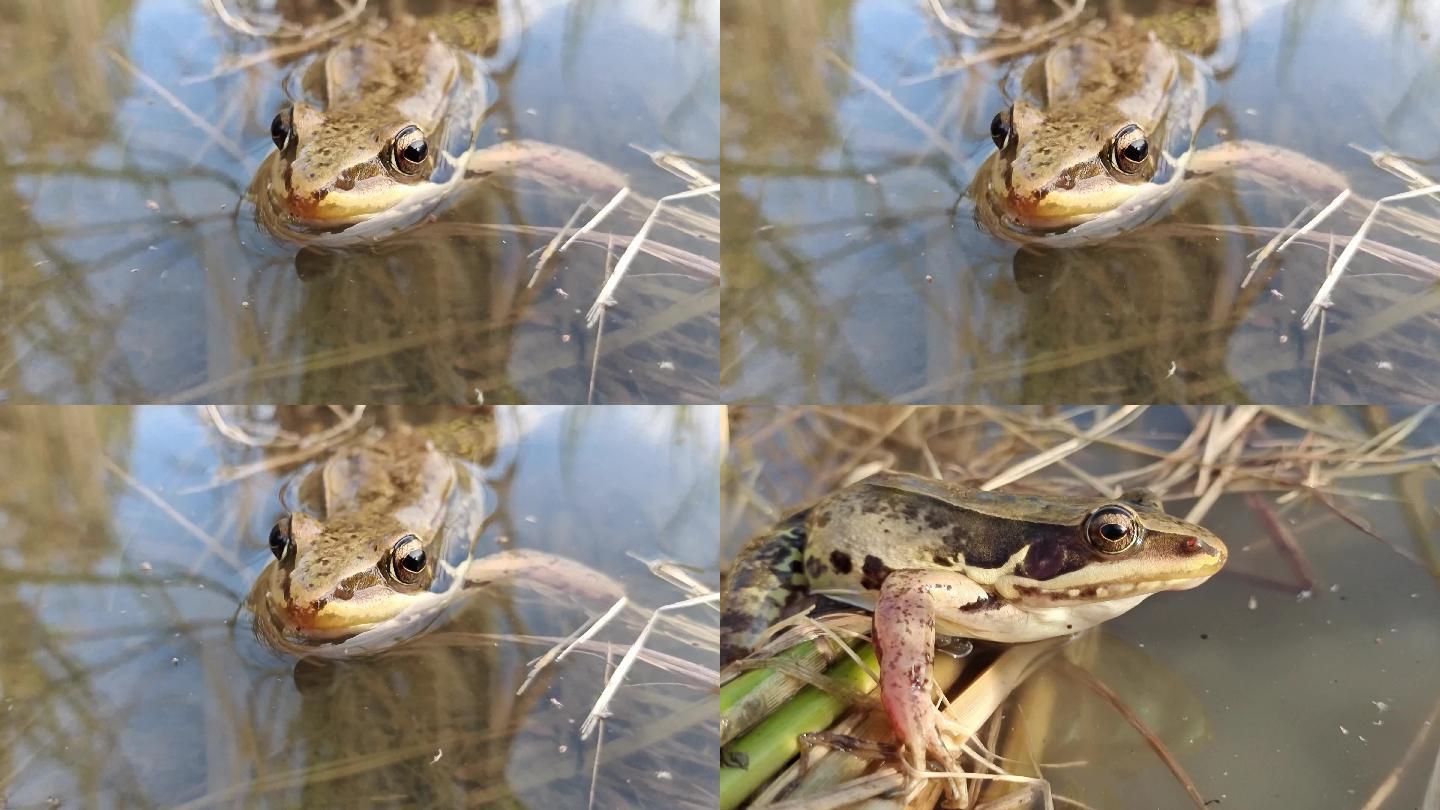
409	150
407	560
280	128
1000	129
282	542
1112	529
1130	149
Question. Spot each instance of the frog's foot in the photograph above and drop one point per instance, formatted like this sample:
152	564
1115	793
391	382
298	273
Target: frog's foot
905	638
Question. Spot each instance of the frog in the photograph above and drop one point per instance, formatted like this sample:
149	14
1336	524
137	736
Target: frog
382	128
380	538
1105	131
388	506
381	115
929	556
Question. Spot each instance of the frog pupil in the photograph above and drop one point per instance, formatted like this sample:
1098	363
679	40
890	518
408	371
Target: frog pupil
1136	150
279	539
999	130
414	561
415	151
1113	532
279	130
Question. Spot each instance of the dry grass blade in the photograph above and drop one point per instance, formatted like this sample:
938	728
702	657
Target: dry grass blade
218	137
1104	427
593	315
553	245
599	335
1395	165
1392	779
673	574
1322	296
930	133
349	11
602	703
1031	36
211	544
1314	221
1274	243
594	221
600	738
1285	541
677	166
578	638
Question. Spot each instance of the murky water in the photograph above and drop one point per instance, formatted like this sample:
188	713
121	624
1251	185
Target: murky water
130	270
856	272
129	674
1269	691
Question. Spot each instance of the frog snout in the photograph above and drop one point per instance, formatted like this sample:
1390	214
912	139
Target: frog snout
1208	552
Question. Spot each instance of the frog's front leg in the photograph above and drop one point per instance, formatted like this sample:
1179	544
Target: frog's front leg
905	638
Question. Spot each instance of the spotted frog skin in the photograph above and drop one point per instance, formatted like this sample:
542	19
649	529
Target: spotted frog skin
927	555
1103	132
379	110
386	503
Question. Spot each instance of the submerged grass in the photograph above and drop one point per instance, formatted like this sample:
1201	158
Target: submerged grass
1299	470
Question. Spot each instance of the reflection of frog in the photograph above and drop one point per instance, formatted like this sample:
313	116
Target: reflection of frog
922	553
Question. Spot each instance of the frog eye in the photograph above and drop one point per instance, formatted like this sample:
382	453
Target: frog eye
1112	529
280	128
407	560
1000	129
410	150
1131	148
282	543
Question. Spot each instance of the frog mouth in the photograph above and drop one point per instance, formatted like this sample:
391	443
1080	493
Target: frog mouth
1088	594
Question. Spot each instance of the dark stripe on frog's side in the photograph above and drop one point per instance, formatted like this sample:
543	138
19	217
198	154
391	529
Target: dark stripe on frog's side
941	529
768	577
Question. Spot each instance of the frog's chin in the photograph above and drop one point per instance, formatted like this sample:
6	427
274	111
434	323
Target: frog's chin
324	626
304	630
1036	221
